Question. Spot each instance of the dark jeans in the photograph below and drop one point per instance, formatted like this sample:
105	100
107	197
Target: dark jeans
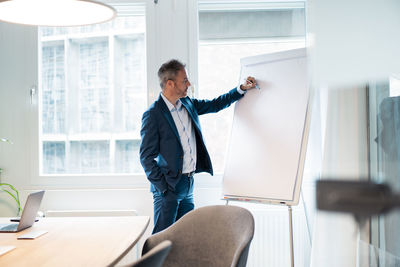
173	205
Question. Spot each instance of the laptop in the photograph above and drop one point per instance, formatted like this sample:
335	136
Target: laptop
28	214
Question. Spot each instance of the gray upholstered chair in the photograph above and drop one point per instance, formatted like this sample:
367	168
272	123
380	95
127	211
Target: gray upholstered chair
155	257
208	236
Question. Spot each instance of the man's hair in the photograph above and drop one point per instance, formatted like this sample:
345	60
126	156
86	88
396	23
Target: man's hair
169	70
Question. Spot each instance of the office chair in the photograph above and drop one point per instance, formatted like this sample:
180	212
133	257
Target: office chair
208	236
154	257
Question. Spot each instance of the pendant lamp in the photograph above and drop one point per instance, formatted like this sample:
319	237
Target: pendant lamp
55	12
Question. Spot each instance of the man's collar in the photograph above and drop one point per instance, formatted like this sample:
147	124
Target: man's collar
169	104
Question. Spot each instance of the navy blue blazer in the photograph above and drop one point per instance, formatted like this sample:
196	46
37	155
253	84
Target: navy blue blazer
161	153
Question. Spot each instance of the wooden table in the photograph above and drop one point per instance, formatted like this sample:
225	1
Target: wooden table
74	241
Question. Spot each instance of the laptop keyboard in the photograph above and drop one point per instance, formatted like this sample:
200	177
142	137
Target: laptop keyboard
9	227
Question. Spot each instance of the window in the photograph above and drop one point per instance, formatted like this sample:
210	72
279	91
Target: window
92	95
228	32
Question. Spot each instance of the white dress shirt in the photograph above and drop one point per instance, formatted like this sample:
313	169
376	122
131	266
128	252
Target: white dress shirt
183	123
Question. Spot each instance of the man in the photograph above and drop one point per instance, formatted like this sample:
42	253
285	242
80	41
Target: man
172	147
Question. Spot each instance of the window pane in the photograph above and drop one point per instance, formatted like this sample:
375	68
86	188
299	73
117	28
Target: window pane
89	157
53	86
54	157
92	94
132	99
93	87
239	24
127	156
226	37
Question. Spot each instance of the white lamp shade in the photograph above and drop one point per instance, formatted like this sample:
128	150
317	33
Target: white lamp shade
55	12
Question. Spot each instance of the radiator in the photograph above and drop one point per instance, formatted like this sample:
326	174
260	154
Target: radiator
271	244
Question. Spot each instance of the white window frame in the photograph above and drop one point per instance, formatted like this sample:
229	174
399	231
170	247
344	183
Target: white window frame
96	181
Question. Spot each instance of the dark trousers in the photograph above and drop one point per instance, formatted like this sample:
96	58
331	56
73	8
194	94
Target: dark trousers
173	205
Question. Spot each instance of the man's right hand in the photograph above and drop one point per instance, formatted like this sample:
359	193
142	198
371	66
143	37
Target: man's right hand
249	84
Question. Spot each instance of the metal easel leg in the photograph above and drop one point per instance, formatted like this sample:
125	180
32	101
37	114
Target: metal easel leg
291	236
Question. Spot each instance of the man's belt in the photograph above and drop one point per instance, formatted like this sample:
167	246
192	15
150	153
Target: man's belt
188	174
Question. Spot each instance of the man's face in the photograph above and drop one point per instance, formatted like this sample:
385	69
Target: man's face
181	84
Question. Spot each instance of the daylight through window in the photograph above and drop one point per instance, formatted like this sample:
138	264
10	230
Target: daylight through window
93	93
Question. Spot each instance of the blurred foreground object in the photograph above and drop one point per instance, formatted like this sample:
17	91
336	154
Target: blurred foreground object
361	198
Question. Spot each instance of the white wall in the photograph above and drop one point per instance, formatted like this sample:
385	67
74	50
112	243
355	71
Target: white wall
354	41
18	62
345	156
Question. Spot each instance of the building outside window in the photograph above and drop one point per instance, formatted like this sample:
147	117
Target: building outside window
93	93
